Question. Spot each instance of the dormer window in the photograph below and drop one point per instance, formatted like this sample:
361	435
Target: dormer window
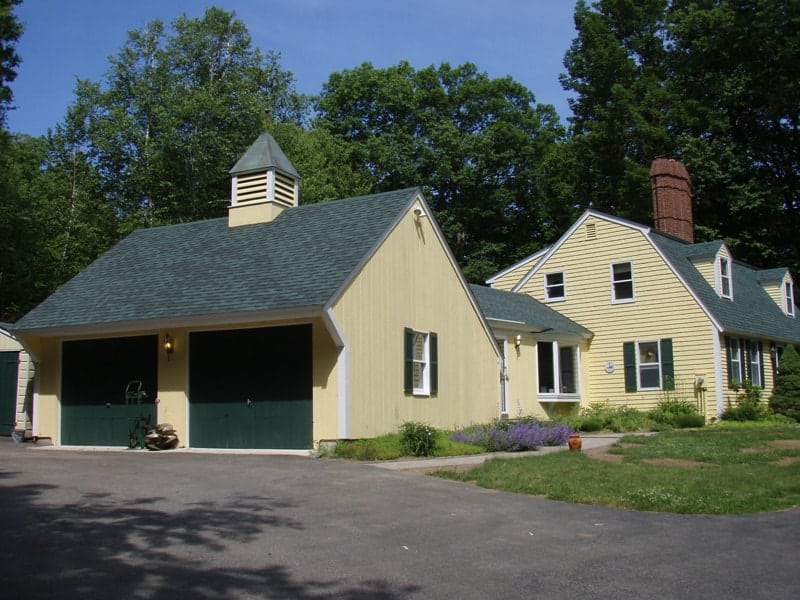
788	298
725	279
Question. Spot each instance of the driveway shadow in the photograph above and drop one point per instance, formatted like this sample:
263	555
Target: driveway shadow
102	547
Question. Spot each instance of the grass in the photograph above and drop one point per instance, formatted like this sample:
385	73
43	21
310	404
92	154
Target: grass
725	469
389	447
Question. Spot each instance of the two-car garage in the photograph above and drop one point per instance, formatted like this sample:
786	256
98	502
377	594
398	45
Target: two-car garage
247	388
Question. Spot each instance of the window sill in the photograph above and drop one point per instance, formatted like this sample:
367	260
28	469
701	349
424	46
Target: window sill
544	397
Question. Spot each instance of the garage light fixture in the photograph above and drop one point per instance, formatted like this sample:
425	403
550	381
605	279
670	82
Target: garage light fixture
169	345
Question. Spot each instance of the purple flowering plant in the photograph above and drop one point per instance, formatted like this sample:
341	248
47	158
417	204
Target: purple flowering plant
505	436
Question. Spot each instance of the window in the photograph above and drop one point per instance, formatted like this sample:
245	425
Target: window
421	363
557	368
622	282
745	362
554	287
648	365
725	288
735	374
788	296
754	363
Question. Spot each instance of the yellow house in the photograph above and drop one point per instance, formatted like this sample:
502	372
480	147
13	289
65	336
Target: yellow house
279	326
669	318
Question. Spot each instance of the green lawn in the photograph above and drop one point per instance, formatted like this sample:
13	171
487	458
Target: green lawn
717	470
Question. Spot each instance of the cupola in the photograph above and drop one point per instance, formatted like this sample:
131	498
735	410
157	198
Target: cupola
263	183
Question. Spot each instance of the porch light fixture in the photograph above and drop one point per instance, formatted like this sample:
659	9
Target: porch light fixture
517	341
169	345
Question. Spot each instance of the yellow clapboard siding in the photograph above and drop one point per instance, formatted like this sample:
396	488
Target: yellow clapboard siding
508	281
662	308
409	282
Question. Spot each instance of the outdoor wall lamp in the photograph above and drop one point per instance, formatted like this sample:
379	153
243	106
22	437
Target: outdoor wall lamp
169	345
517	341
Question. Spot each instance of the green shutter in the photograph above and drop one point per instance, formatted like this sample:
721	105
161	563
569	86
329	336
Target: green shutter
408	353
667	365
763	381
434	356
629	356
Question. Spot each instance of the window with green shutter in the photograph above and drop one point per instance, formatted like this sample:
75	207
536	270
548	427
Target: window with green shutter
649	365
421	363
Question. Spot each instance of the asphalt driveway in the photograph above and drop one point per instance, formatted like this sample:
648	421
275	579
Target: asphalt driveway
137	524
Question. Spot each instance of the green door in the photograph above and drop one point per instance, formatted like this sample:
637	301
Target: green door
9	371
94	377
251	388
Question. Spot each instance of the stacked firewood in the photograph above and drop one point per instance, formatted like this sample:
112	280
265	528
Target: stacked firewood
161	437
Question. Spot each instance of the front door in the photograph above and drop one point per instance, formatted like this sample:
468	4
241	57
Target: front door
251	388
9	371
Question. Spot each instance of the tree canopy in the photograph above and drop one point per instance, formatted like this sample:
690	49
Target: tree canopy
475	144
715	83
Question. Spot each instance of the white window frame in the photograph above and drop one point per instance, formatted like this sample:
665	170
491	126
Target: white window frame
614	282
735	344
555	348
754	358
725	277
548	297
422	366
788	298
650	366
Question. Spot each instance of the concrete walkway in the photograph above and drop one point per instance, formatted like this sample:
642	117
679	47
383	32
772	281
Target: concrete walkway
422	465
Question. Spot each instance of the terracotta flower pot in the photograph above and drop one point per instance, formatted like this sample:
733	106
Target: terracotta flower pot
575	442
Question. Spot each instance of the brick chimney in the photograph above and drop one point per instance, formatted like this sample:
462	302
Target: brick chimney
672	198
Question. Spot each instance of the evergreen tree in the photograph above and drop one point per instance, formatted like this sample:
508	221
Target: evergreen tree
785	398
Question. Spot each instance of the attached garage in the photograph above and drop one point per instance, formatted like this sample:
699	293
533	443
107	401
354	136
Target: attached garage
251	388
108	390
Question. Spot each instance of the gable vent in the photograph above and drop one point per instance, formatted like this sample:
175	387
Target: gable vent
591	231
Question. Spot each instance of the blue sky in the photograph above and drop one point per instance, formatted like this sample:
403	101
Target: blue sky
526	39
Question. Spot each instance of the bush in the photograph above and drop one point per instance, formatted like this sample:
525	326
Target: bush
684	421
748	405
600	415
513	436
785	398
677	413
417	439
590	424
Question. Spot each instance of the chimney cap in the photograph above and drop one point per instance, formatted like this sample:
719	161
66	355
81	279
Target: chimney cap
664	165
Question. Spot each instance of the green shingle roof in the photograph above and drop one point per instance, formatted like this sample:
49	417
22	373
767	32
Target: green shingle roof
264	154
752	311
299	260
522	309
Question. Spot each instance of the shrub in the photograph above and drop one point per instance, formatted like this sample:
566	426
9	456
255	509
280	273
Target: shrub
785	398
513	436
683	421
418	439
590	424
676	413
748	405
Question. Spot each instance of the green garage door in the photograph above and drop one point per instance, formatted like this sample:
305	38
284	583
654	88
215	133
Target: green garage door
9	369
251	388
94	377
